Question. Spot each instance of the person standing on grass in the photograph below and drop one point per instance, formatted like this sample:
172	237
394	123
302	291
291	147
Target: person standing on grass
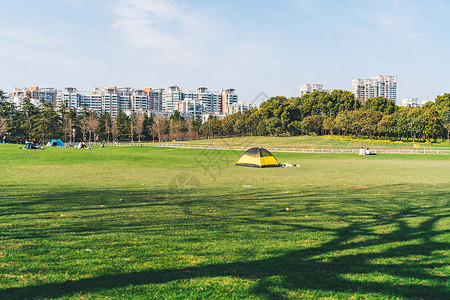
4	139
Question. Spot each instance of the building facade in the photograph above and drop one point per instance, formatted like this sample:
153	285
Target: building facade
228	99
410	102
376	86
113	99
309	88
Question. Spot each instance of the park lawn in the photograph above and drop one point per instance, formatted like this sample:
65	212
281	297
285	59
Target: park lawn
311	142
141	222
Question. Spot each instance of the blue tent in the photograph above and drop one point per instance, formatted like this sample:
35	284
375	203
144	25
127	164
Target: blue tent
58	143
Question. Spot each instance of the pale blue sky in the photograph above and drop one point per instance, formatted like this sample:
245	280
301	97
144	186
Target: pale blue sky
252	46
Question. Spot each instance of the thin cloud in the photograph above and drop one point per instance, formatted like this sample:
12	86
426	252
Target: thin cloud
399	19
192	38
22	36
163	25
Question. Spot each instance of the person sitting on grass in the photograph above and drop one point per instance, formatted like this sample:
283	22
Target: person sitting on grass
362	151
368	152
82	145
35	144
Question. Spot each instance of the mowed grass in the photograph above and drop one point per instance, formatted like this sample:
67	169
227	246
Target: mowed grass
143	223
312	142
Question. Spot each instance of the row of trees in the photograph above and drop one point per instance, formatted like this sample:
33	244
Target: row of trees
339	112
317	113
45	123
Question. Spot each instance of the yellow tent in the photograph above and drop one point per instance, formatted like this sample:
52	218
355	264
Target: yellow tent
257	157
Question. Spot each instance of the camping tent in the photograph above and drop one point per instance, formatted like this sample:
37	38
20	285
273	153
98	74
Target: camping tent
257	157
58	143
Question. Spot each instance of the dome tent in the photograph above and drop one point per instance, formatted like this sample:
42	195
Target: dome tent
57	143
257	157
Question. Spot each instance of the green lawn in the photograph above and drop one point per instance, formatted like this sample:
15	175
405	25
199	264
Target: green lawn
312	142
140	223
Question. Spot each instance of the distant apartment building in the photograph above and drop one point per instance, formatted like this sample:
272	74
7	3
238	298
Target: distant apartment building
426	101
155	99
34	93
189	107
46	94
69	97
200	101
17	95
410	102
228	99
208	102
240	107
171	97
310	88
376	86
113	99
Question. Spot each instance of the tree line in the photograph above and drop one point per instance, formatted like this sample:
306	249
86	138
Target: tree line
44	123
339	112
318	113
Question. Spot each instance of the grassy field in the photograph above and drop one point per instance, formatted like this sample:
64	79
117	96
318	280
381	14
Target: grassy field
140	223
311	142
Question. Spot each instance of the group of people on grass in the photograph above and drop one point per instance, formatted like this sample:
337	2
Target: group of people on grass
35	145
32	145
82	145
367	151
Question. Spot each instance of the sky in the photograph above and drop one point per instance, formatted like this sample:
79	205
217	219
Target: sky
257	47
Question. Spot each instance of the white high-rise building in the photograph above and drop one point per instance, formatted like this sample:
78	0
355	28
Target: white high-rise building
171	97
199	101
69	97
155	99
139	100
376	86
114	99
410	102
428	100
34	94
309	88
228	99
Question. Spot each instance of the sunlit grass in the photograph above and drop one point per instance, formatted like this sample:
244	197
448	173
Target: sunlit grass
143	223
312	142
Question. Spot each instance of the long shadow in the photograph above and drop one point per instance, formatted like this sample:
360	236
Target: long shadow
313	268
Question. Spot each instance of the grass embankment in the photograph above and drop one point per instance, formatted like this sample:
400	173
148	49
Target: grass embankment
311	142
143	223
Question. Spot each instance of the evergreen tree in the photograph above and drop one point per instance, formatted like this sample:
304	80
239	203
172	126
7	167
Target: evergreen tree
123	126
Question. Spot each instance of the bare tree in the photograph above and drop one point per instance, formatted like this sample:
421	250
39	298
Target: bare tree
114	128
159	126
137	124
191	133
3	125
67	128
107	128
175	127
84	125
93	124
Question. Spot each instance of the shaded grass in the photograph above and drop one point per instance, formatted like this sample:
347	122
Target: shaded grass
187	227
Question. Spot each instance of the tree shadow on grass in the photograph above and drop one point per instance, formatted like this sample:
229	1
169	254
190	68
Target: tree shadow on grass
345	264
